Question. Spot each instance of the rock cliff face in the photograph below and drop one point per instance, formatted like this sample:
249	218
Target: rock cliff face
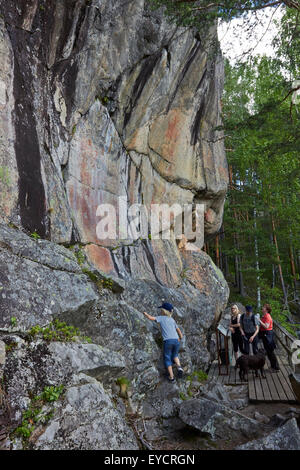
101	100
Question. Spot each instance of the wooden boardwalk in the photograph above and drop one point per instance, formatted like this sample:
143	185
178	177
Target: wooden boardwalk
231	379
274	388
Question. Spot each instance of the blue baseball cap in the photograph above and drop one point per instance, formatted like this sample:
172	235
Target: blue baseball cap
248	308
167	306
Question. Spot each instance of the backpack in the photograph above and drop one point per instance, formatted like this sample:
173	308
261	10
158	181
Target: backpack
252	318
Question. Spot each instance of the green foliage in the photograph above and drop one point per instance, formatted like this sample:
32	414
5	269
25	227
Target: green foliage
124	384
80	256
123	381
13	321
199	375
282	318
202	15
35	235
58	331
35	415
51	393
93	277
103	99
263	146
287	42
11	346
25	429
12	225
106	283
183	273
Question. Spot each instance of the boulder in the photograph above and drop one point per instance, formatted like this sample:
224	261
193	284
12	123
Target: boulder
163	402
40	280
222	394
277	419
86	419
85	416
92	359
31	367
285	437
216	420
261	417
160	411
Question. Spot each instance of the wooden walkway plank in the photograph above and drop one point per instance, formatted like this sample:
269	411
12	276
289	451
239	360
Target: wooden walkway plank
266	386
280	389
285	381
224	378
258	388
289	388
238	380
266	389
272	386
289	393
251	387
236	376
231	380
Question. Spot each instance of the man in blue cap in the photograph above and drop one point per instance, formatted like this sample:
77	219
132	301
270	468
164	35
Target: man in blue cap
249	329
172	335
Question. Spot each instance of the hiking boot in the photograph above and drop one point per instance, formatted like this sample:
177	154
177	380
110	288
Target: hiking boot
172	380
180	372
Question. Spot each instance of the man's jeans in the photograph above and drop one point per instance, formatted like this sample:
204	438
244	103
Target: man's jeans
247	344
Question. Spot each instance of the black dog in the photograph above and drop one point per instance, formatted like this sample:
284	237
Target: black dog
255	362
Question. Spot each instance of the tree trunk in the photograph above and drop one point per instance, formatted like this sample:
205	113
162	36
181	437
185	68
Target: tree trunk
273	285
293	268
241	281
279	265
236	272
237	259
258	296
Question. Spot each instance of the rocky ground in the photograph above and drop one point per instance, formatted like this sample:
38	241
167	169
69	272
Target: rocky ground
81	367
96	410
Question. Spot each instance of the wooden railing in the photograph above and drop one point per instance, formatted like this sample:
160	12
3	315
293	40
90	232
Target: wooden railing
286	340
